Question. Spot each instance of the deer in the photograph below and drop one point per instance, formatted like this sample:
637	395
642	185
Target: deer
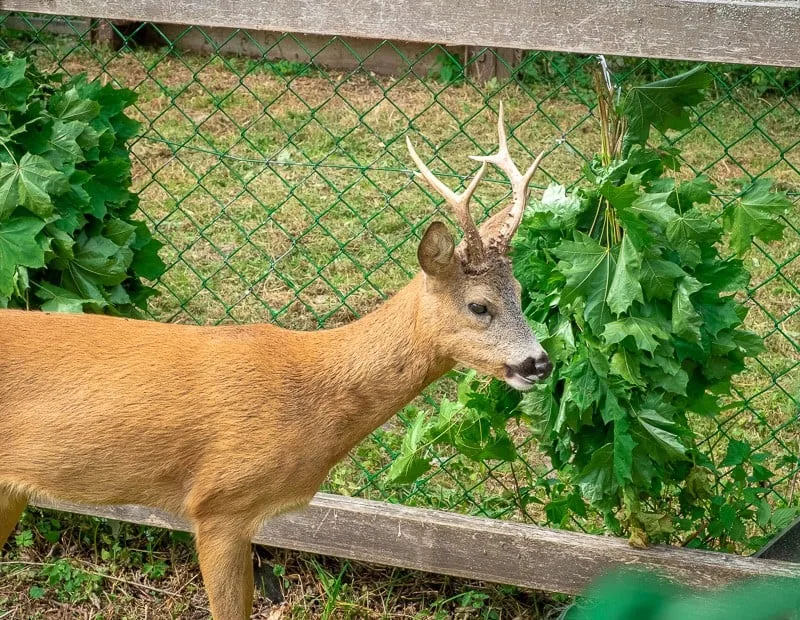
230	425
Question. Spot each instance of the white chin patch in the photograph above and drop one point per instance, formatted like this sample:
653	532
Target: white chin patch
520	383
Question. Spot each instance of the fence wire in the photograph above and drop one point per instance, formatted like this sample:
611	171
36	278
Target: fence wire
282	192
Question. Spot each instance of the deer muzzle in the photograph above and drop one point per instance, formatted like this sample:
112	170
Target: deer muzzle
523	375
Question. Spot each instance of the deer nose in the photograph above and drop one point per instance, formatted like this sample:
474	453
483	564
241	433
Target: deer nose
537	367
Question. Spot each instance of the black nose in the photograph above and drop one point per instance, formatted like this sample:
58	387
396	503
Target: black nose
539	367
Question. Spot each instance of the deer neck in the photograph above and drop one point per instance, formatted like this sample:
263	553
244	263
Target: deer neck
369	369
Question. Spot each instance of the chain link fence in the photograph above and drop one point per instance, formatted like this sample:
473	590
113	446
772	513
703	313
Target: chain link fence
282	191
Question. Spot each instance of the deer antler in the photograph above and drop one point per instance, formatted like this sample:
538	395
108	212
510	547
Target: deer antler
473	249
509	218
519	188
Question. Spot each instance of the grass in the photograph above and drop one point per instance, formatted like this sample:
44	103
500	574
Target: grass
283	193
122	572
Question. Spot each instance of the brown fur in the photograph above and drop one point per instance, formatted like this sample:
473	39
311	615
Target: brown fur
230	425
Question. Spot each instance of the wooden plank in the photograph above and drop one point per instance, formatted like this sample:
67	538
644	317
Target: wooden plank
742	31
463	546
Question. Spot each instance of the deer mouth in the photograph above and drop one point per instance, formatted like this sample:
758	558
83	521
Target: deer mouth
526	375
520	382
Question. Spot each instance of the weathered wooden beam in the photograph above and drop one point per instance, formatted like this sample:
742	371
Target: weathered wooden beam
463	546
739	31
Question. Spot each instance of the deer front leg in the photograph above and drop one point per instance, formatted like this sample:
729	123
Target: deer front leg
227	569
11	506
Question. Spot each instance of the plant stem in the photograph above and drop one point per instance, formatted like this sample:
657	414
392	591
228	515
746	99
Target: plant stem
612	129
10	154
695	534
596	216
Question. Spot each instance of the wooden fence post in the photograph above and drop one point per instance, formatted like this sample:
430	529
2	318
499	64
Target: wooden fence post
487	63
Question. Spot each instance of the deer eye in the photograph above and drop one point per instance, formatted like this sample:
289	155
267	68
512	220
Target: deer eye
477	308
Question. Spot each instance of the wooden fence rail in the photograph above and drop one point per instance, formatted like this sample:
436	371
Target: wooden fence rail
462	546
735	31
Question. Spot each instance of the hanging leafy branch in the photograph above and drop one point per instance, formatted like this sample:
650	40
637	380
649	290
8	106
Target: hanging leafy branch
67	238
631	290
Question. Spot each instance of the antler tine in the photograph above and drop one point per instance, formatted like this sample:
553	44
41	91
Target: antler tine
519	185
459	203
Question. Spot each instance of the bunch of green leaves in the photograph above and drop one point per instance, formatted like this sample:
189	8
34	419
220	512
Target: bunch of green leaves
67	238
630	284
636	305
475	425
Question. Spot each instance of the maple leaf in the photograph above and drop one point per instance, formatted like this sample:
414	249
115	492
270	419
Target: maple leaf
756	215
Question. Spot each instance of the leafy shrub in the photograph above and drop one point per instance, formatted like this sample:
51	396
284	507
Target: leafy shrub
67	238
625	286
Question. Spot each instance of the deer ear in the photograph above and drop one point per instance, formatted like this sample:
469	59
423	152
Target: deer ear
436	250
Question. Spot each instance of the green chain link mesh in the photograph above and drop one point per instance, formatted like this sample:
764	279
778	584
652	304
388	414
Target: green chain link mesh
283	193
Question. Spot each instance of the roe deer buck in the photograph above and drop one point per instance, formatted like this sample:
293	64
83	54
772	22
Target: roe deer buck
230	425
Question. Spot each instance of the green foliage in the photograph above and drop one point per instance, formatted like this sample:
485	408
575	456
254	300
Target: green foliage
67	239
69	582
448	69
755	216
475	425
635	595
625	285
663	104
655	327
577	70
114	545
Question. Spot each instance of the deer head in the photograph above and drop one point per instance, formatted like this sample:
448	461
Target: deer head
470	296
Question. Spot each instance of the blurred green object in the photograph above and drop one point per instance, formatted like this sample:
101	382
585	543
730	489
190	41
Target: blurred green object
632	595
